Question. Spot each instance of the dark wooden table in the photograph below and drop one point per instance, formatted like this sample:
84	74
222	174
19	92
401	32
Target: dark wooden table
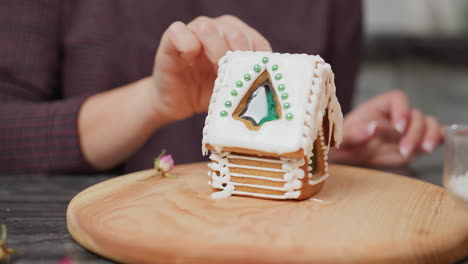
33	207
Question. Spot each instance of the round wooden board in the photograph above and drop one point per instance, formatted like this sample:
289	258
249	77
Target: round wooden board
360	215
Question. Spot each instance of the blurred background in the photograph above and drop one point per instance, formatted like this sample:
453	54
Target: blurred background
420	47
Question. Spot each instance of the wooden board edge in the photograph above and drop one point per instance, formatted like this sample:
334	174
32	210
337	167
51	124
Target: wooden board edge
81	237
91	192
84	240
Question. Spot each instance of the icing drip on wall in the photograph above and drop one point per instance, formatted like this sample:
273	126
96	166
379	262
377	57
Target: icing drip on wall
322	96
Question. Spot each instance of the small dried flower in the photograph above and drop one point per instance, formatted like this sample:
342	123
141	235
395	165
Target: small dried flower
5	252
163	164
166	163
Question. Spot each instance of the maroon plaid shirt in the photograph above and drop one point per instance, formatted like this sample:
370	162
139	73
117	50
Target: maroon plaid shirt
55	53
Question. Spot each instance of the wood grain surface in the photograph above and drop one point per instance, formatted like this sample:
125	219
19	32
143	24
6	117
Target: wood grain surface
360	216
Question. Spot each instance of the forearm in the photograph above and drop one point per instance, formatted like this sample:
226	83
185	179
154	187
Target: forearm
40	136
114	124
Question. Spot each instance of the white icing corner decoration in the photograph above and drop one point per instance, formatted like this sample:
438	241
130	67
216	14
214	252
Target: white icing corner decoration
304	89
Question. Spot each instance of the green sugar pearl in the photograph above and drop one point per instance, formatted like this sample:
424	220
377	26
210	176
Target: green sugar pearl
239	84
284	96
289	116
275	67
247	77
278	76
228	103
286	105
224	113
257	68
281	87
234	93
265	60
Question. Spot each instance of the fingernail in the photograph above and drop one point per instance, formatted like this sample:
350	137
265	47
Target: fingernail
400	126
250	43
428	147
220	31
405	151
371	128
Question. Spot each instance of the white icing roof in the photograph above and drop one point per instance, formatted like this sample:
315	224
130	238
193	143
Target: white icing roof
307	96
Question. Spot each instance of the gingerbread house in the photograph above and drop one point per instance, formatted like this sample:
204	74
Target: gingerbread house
271	121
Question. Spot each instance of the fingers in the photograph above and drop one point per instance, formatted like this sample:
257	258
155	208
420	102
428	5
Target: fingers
399	110
177	43
241	36
432	135
226	33
210	36
235	34
414	134
360	135
358	131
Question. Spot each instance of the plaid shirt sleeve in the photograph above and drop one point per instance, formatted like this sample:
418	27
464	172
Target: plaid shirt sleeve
38	128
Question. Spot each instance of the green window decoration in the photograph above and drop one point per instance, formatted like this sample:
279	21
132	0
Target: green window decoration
261	105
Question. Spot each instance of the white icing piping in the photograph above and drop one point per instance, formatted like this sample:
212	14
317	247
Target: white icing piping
291	168
232	165
217	87
325	150
254	158
259	186
292	176
233	174
224	177
335	116
262	195
319	180
322	96
325	163
330	129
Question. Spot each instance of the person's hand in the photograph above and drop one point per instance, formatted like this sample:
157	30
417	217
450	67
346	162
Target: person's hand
386	132
186	62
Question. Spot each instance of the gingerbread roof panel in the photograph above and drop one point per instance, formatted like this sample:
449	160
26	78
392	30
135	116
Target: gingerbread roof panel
269	102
